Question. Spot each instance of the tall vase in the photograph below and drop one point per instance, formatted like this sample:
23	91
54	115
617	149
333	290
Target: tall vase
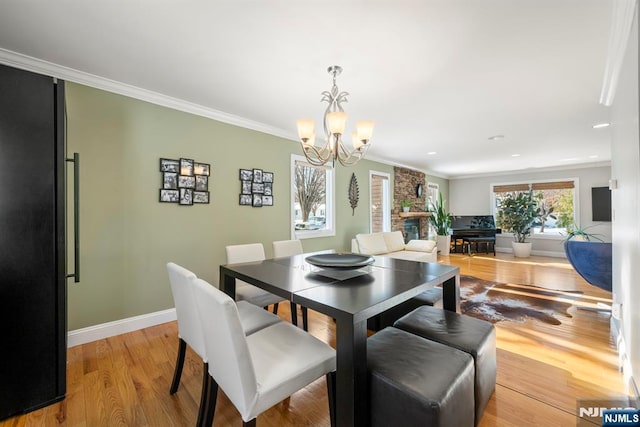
444	244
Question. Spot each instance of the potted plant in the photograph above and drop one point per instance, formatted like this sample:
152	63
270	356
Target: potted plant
516	214
575	232
406	204
441	220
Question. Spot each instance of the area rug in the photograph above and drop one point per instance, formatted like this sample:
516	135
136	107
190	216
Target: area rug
497	302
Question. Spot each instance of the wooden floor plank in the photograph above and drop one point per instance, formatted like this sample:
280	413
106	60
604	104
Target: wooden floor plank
543	370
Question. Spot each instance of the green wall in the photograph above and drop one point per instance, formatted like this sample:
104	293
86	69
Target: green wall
127	236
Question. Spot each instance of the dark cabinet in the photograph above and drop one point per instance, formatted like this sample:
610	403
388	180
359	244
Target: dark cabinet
32	241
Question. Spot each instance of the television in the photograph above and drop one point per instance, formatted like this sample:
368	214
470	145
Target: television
601	204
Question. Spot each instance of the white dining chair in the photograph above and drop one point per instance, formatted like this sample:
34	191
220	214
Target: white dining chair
252	319
257	371
282	248
244	291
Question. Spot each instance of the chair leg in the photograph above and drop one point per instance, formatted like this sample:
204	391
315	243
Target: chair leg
210	404
251	423
305	319
182	349
275	308
202	410
331	393
294	312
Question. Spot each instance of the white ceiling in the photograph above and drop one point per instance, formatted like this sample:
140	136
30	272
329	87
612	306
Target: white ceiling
435	75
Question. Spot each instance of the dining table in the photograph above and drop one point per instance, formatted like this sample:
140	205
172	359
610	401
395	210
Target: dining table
350	297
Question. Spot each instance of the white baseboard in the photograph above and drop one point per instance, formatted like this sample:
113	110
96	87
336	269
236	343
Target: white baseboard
552	254
117	327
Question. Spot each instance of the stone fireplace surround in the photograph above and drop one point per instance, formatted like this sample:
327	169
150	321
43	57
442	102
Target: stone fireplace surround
405	183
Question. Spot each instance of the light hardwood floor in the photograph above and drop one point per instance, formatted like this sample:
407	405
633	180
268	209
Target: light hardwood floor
543	370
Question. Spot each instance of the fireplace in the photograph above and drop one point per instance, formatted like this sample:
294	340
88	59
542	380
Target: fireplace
411	229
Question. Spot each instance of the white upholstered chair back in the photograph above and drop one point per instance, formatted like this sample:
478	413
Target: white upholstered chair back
245	253
189	328
284	248
226	345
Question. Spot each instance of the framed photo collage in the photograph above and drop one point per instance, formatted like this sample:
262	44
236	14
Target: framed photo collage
184	181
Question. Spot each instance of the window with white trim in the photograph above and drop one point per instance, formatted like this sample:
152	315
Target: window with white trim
312	199
380	202
556	199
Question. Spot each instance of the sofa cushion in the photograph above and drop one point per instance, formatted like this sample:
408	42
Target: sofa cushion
372	244
394	241
420	245
411	256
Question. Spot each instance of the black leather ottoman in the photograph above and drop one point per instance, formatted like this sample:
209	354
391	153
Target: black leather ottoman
417	382
473	336
387	318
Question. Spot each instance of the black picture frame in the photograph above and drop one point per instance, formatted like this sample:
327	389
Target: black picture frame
201	168
245	187
185	181
169	180
168	196
202	183
201	197
257	187
169	165
186	197
186	167
246	175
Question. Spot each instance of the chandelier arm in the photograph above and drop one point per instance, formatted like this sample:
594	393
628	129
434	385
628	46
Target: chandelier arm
351	157
317	156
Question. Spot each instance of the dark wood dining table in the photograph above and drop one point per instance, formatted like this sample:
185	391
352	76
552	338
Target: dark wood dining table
350	297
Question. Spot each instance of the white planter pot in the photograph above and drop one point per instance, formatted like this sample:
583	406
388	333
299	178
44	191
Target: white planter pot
521	250
444	244
406	209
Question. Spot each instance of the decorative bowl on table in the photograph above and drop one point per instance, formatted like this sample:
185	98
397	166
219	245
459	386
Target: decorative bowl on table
340	261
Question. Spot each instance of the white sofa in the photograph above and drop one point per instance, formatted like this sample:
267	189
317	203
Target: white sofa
392	244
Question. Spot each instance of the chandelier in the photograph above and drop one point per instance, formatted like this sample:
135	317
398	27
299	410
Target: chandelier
335	120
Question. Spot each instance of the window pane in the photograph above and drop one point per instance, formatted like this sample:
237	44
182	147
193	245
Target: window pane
380	217
556	206
312	196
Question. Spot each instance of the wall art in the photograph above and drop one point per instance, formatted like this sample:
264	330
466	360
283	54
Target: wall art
354	193
256	188
184	181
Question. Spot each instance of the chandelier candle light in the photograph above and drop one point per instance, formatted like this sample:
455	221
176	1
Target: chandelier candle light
335	120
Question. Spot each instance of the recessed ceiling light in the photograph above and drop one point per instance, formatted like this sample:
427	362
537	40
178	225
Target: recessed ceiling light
496	137
601	125
515	155
569	159
593	156
431	153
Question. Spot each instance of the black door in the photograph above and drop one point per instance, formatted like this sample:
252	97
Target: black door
32	263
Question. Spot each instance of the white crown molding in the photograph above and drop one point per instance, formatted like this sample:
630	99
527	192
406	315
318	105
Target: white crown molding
118	327
536	170
622	17
29	63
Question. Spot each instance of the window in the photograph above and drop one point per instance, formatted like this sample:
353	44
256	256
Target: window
312	196
556	200
433	191
380	202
